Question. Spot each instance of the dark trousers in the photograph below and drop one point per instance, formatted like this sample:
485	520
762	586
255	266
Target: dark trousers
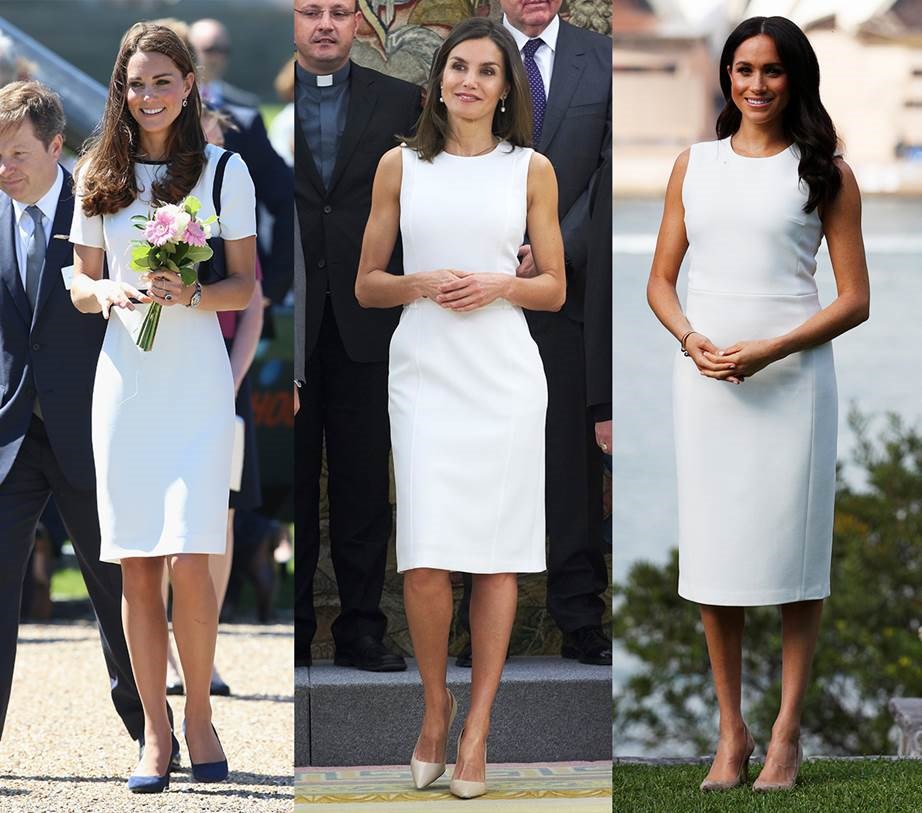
344	407
576	571
33	478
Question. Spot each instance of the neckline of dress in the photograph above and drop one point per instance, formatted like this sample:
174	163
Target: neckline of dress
472	157
734	153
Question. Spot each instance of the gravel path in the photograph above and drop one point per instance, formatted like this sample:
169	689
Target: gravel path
64	750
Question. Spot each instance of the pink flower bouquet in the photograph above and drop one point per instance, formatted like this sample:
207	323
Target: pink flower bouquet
175	239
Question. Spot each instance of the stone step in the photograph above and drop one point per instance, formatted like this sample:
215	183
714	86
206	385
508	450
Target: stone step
547	710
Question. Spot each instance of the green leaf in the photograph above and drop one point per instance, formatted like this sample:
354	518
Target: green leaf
172	266
197	254
192	204
210	220
188	275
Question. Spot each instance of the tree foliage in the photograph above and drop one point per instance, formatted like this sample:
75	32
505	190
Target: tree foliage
869	649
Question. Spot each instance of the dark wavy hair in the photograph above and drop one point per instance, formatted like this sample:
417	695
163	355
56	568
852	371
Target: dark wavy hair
805	120
106	166
514	126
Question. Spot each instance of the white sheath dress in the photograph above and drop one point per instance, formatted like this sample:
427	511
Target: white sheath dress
755	461
163	421
467	393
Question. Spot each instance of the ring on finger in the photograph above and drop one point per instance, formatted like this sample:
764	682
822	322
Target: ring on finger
168	297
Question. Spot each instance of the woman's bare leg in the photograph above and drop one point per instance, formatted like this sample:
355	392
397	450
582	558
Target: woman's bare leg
493	603
428	605
723	629
144	620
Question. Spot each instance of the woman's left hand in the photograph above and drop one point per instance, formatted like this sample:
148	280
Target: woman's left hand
472	291
747	357
166	288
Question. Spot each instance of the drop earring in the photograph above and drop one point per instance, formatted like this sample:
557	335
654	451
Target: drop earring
441	98
502	105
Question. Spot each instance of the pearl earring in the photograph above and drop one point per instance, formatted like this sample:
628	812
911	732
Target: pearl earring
441	98
185	102
502	105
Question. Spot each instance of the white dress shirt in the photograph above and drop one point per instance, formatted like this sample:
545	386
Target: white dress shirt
544	56
48	205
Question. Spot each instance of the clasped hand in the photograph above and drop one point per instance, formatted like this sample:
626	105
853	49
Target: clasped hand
166	288
734	363
463	291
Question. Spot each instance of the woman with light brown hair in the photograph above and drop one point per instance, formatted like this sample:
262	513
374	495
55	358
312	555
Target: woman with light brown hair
162	420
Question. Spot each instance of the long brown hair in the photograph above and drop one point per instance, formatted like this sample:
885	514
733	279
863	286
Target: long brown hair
514	126
106	167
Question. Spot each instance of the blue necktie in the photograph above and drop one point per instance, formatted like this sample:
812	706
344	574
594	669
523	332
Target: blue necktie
35	255
538	97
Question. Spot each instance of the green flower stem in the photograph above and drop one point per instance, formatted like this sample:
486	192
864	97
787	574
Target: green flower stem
149	327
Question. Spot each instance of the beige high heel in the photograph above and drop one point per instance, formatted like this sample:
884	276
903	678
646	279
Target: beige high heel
465	788
759	785
742	776
425	773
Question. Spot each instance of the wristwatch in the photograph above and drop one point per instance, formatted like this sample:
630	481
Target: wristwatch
196	296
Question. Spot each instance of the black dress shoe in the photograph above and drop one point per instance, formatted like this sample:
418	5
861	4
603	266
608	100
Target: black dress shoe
302	659
587	645
369	654
219	689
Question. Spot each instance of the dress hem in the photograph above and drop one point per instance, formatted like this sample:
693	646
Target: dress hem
211	544
472	567
763	599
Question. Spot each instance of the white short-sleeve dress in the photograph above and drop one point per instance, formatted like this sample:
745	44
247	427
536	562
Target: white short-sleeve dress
162	421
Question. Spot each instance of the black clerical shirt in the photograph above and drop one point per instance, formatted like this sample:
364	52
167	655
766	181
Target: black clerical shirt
322	104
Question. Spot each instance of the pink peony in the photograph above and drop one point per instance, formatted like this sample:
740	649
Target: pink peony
159	230
194	234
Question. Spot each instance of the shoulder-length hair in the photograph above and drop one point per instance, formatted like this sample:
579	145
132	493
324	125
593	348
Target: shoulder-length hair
107	166
805	120
514	125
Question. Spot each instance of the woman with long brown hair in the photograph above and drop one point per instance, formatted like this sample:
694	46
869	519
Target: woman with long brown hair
467	393
162	420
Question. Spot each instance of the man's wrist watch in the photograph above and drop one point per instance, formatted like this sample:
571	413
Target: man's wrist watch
196	296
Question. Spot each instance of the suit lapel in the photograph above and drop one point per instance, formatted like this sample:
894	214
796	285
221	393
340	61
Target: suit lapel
569	63
9	267
361	105
59	251
304	159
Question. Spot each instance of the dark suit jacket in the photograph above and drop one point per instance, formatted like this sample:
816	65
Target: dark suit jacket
273	181
300	305
597	325
332	221
576	138
52	353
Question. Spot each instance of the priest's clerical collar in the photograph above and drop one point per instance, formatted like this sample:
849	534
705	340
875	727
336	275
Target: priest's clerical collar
324	80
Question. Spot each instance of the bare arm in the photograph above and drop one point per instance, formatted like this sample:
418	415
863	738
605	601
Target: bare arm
546	289
233	293
671	245
842	227
374	286
90	293
246	338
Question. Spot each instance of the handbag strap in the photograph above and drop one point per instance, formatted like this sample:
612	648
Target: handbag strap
219	181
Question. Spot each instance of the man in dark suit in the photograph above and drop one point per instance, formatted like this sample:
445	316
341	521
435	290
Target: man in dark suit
48	354
569	72
347	118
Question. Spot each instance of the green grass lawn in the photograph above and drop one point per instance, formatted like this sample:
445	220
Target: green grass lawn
824	786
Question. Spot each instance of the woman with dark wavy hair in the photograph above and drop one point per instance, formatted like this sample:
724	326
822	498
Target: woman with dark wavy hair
466	389
754	384
162	420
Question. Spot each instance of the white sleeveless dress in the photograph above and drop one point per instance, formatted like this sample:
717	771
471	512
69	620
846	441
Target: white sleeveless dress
163	421
467	393
755	461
